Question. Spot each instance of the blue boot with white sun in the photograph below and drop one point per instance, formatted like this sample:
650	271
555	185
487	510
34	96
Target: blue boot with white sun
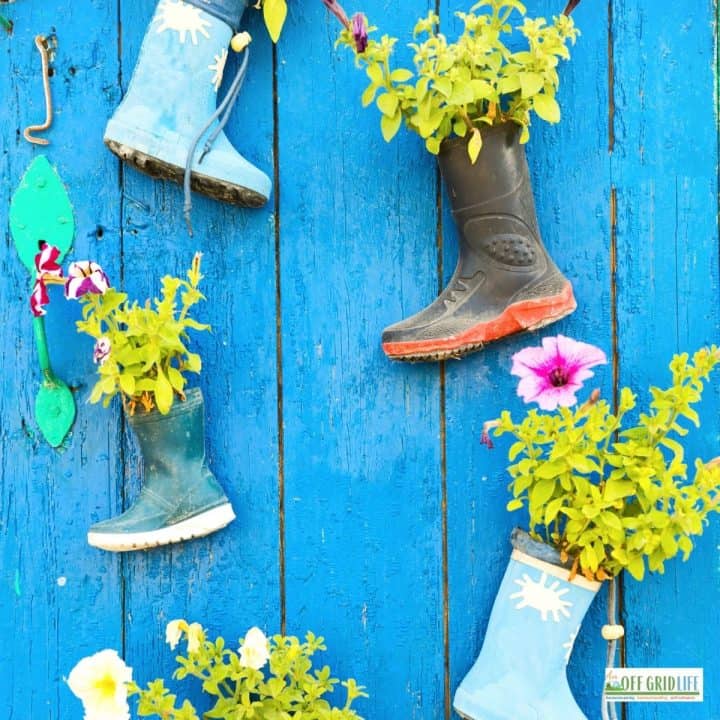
521	671
170	125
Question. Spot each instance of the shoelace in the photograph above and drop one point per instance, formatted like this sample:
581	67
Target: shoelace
223	112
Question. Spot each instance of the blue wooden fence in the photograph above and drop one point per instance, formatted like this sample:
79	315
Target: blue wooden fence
367	510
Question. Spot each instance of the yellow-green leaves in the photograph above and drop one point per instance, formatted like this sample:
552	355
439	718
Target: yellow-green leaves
388	104
274	13
267	678
401	75
636	567
615	498
477	80
148	358
474	145
531	83
390	125
163	392
547	108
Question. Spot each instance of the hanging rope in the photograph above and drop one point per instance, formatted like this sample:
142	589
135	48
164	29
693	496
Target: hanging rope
223	112
612	632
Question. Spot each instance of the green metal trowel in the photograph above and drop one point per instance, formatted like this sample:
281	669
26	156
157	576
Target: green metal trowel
40	211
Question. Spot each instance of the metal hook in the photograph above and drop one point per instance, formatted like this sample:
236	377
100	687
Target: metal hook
42	46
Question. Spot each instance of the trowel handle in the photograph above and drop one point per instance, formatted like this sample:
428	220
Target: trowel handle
41	343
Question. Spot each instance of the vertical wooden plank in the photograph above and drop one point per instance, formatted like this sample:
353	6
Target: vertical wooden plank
570	169
49	577
228	581
665	168
362	464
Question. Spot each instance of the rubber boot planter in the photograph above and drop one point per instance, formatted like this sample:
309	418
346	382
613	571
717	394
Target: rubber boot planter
172	96
505	281
180	498
521	671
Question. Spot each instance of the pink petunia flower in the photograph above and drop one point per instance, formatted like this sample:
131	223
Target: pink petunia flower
101	351
551	375
46	261
360	32
85	277
46	266
39	298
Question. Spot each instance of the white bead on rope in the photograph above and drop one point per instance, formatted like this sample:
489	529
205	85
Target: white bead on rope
612	632
240	41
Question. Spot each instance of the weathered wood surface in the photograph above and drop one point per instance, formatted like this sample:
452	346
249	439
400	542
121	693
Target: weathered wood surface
367	511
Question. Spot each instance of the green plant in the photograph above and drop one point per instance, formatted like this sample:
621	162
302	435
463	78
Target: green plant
142	349
610	496
239	686
457	88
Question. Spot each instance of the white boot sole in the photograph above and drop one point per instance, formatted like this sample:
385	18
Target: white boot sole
195	527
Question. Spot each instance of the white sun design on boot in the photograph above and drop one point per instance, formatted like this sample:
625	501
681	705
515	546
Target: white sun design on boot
218	68
183	19
570	644
545	599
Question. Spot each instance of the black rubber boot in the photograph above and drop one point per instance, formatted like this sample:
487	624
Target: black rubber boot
505	281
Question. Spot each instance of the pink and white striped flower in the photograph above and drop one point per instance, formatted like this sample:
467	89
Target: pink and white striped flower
46	266
39	298
46	261
85	277
101	351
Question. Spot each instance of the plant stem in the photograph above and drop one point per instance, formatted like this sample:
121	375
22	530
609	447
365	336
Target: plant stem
466	119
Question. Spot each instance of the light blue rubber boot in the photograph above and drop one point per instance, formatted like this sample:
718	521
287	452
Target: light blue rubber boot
521	671
180	498
161	126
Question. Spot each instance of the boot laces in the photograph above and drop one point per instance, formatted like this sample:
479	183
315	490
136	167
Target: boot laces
223	112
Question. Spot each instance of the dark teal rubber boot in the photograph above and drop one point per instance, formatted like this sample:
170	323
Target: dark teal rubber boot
180	498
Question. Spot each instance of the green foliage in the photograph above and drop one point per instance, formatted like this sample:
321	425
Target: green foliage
615	498
274	14
457	88
149	358
291	689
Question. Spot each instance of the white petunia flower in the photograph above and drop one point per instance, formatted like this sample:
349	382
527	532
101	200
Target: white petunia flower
255	650
196	636
100	681
174	631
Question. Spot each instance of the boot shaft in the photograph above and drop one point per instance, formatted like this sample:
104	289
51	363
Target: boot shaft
538	612
173	445
180	67
500	171
229	11
492	201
